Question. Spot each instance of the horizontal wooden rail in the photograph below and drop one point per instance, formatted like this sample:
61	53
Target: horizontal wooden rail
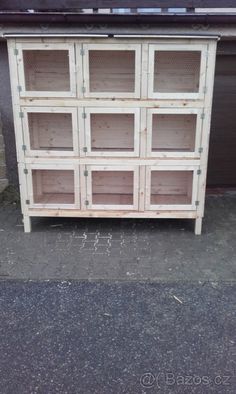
62	5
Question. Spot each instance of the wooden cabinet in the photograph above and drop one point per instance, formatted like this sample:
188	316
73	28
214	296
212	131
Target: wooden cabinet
112	127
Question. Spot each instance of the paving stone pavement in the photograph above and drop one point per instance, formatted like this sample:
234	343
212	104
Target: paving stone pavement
110	249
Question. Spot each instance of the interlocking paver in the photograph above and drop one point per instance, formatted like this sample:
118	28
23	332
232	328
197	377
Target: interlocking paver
164	249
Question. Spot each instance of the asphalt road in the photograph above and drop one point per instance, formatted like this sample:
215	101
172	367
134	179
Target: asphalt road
81	337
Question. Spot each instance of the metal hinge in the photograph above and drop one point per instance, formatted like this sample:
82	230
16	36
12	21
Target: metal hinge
84	115
199	172
197	203
82	52
19	88
200	150
85	149
86	202
205	89
83	89
27	202
85	173
16	52
24	147
203	115
26	171
21	114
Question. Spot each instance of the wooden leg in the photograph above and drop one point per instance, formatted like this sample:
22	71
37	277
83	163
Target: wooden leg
198	226
27	224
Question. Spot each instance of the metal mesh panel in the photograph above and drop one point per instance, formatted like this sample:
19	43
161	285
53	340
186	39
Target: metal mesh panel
171	187
53	186
176	71
112	71
50	131
46	70
112	132
112	187
173	132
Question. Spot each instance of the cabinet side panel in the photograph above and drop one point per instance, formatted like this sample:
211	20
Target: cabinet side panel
12	53
206	123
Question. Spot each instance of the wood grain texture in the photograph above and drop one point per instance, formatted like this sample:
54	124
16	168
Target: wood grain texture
122	120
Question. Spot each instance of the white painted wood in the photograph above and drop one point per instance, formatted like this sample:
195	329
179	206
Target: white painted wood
18	129
143	133
81	131
79	70
83	187
90	39
144	78
77	187
113	214
198	226
23	183
206	124
27	223
115	161
142	185
114	102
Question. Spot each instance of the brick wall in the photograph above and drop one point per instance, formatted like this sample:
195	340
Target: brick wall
3	176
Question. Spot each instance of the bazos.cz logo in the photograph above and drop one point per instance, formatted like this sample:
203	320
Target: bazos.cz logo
148	380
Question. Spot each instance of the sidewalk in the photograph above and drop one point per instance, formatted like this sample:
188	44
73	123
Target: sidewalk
122	249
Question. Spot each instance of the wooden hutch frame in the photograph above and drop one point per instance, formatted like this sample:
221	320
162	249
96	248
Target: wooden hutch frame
87	179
